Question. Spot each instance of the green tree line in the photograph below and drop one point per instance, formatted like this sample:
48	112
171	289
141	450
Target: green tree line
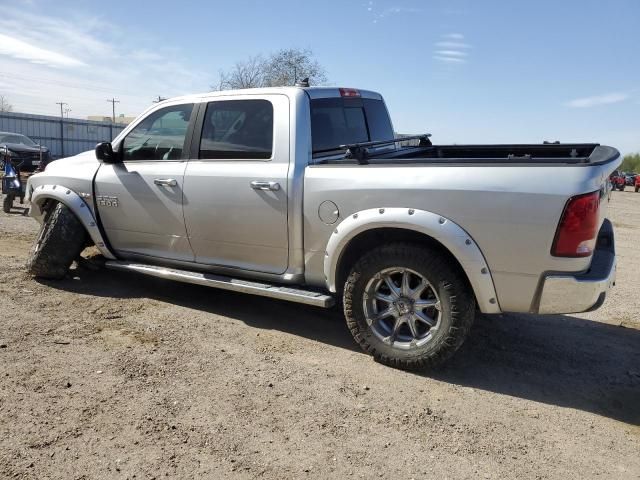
631	163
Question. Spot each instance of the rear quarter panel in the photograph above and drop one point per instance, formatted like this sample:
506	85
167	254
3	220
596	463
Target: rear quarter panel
510	211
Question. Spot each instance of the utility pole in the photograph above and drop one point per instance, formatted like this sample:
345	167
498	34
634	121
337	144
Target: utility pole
159	99
113	102
62	104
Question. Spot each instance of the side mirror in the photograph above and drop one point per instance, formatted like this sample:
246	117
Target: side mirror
105	153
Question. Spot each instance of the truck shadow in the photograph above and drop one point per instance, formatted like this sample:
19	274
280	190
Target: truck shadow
558	360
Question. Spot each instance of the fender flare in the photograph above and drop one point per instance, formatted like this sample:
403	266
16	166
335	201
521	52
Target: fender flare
453	237
76	204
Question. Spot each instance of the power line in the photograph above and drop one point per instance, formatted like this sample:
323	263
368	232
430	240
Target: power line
113	102
57	82
33	108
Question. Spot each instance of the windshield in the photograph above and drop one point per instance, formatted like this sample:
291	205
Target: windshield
15	138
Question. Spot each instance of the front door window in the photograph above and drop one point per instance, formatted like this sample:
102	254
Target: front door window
160	136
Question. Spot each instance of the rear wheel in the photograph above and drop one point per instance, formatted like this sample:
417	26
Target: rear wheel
637	188
7	203
60	240
408	306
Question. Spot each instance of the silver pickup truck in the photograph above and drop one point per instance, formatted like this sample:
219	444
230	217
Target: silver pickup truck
306	195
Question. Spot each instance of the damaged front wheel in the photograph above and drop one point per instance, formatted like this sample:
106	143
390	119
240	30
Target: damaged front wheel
61	239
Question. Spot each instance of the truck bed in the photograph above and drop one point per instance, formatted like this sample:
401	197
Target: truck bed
527	154
509	198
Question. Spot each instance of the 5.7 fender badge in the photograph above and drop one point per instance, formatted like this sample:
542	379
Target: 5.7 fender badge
106	201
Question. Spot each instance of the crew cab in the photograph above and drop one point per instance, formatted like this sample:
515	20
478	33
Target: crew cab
304	194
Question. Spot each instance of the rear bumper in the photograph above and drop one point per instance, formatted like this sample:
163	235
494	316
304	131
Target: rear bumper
575	293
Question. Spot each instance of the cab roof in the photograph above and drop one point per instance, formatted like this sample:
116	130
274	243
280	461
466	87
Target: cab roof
312	92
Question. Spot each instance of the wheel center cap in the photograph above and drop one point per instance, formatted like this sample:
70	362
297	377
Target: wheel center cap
403	306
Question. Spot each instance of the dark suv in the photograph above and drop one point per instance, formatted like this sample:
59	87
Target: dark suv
23	151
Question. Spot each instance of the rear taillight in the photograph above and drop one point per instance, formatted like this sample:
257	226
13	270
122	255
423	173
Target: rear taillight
349	92
578	228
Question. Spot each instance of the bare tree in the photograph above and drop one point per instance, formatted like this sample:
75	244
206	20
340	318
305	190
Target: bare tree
248	74
288	66
5	106
282	68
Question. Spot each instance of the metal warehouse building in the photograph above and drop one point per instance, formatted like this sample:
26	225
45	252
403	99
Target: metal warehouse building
64	137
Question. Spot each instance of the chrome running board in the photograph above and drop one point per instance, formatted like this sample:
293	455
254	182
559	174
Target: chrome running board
227	283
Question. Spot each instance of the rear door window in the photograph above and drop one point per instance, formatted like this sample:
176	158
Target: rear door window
237	129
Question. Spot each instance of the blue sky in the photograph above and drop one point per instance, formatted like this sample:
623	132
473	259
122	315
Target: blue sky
468	71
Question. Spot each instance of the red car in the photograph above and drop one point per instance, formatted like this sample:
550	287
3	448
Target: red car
637	183
618	181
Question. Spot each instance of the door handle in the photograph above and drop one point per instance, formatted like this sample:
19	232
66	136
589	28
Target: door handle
261	185
166	182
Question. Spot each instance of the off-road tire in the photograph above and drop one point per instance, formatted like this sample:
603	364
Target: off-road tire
7	203
60	240
456	297
637	188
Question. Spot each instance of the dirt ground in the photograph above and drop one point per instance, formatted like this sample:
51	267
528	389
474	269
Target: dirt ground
109	375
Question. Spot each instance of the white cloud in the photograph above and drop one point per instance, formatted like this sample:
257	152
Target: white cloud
448	44
596	100
392	10
145	56
83	60
451	53
449	59
74	36
451	49
25	51
379	15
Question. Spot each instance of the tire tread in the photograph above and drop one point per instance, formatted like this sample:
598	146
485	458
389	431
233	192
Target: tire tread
61	239
457	290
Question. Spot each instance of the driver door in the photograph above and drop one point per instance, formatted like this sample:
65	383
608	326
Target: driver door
139	200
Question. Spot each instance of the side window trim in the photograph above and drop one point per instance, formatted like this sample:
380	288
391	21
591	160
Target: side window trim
188	138
194	151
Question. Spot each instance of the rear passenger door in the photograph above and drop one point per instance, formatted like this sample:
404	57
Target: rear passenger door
235	185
